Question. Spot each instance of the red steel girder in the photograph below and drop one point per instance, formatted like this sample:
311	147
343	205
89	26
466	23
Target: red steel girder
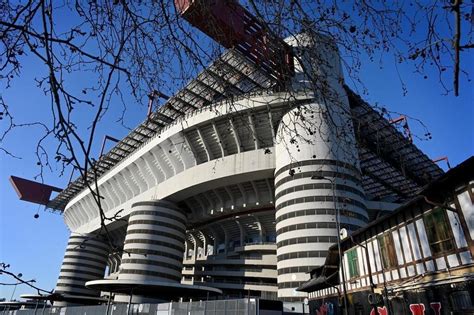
231	25
31	191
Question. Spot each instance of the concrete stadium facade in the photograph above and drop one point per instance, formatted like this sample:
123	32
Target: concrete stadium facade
239	195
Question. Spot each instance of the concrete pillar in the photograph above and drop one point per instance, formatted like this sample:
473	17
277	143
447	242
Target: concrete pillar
154	244
216	244
197	245
226	241
314	140
241	233
205	243
186	249
85	259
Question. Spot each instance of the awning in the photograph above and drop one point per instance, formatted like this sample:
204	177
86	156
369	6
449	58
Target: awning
321	282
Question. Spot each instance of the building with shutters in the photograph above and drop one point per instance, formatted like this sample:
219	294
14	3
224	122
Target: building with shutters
417	258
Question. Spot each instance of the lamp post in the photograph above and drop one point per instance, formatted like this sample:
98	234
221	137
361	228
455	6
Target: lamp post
338	228
14	289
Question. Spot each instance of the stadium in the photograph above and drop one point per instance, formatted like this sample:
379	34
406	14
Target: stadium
238	185
222	195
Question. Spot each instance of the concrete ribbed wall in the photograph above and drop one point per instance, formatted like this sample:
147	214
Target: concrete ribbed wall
154	245
85	259
315	139
305	218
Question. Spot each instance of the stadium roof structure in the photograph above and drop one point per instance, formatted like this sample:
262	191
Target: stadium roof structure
393	168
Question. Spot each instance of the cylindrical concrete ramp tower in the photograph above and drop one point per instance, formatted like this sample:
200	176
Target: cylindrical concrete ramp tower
315	140
85	259
154	244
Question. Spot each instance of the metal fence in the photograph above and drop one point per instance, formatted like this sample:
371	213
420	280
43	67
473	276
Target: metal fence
227	307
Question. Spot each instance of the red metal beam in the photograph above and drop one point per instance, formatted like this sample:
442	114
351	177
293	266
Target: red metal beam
31	191
406	129
443	158
106	137
231	25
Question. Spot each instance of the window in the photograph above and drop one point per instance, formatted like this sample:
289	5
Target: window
461	300
387	250
438	231
353	263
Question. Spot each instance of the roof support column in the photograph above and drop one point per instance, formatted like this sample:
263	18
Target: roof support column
154	244
85	259
312	176
236	136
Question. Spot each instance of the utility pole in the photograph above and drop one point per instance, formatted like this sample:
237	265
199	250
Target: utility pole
338	229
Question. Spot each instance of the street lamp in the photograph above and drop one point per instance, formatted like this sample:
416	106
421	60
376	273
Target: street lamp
338	228
14	289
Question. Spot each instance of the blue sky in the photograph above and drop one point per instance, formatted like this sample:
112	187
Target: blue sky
35	247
